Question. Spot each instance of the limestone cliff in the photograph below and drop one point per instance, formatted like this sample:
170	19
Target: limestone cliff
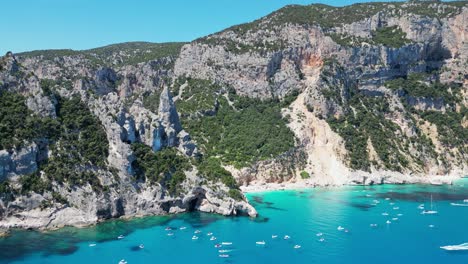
319	95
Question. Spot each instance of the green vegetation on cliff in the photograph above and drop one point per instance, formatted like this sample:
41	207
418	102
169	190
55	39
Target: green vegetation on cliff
128	53
165	167
390	36
77	140
241	131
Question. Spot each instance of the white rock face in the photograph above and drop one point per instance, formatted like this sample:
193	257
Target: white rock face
18	162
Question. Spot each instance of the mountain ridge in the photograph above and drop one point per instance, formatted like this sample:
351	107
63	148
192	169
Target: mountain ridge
378	99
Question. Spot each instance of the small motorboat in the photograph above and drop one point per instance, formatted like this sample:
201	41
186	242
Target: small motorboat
396	208
373	225
226	243
463	246
224	250
386	199
431	226
213	238
183	228
120	237
322	239
92	245
465	201
141	246
286	237
385	214
123	261
391	203
170	234
168	228
209	234
376	201
429	212
194	238
399	214
224	256
274	236
395	219
297	246
458	204
388	222
262	243
217	245
197	231
421	207
340	228
319	234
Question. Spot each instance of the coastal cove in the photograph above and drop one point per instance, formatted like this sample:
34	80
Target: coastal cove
305	215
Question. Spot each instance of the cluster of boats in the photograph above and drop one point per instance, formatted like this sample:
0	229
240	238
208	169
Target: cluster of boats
286	237
225	248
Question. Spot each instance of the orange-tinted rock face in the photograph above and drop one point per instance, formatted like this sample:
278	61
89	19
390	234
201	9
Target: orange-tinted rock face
314	61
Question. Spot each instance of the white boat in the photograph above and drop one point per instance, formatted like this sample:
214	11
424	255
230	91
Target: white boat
458	204
217	245
226	243
463	246
322	239
430	211
399	214
212	238
260	242
194	238
431	226
274	236
209	234
197	231
340	228
297	246
396	208
224	250
391	203
465	201
395	219
376	201
183	228
168	228
319	234
286	237
170	234
421	207
224	256
386	199
388	222
141	246
373	225
123	261
385	214
120	237
92	245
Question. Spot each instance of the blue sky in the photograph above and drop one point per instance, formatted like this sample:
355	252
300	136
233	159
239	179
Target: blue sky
83	24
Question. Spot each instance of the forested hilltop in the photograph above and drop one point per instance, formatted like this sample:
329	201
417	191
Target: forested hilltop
366	93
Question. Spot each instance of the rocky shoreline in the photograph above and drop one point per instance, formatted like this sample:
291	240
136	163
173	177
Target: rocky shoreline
310	183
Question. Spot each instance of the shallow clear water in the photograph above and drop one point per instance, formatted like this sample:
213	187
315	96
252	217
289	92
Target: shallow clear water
300	214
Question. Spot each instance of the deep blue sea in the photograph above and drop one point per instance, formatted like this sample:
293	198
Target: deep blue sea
301	215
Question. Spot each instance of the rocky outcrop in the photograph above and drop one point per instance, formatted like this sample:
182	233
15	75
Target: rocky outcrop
18	162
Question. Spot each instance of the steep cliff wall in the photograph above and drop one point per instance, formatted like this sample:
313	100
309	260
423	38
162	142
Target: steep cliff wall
315	95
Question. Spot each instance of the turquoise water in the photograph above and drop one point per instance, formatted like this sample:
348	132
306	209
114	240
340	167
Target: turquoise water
300	214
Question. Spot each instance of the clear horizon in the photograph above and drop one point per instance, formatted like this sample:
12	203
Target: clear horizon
56	24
